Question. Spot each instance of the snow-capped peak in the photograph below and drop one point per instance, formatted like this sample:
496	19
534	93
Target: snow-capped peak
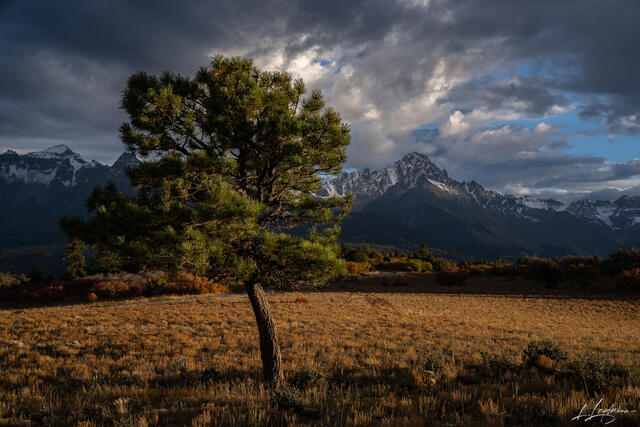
415	170
412	170
58	164
57	151
619	214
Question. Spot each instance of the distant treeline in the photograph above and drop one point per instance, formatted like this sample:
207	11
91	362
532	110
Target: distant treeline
623	264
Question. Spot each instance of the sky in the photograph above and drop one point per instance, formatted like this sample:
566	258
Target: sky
527	97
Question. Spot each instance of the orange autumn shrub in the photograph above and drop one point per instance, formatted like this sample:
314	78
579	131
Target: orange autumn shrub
187	283
114	286
356	268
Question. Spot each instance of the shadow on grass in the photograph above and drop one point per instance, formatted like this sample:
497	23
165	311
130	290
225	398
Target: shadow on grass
427	283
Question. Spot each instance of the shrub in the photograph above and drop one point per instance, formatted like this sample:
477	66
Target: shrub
433	363
497	364
502	268
407	265
8	280
630	280
358	254
621	260
443	264
545	270
545	348
315	371
356	268
114	286
105	261
187	283
596	372
480	269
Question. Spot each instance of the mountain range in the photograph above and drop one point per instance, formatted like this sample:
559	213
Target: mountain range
401	206
36	190
413	201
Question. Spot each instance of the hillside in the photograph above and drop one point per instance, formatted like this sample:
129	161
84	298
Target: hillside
36	190
403	205
413	201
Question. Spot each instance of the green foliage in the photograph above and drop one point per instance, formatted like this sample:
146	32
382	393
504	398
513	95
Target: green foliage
597	372
498	364
406	265
8	280
502	267
424	254
73	258
111	286
434	363
237	154
105	261
544	270
443	264
314	372
546	348
361	254
620	260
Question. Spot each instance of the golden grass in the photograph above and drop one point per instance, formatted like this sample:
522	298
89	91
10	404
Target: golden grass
399	351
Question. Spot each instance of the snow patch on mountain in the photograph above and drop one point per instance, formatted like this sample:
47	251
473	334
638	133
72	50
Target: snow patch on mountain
14	174
604	214
441	185
535	203
54	164
56	151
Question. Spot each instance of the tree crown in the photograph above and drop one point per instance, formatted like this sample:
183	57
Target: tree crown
234	155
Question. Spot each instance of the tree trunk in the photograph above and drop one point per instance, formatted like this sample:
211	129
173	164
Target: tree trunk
269	343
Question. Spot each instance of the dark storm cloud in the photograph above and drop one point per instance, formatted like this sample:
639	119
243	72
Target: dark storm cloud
64	64
530	98
611	173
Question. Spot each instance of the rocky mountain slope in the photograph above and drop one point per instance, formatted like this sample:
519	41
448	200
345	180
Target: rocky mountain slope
403	205
36	190
413	200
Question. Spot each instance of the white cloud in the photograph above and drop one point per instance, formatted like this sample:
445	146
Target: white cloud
455	125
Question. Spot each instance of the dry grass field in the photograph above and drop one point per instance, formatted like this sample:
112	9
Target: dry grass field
399	351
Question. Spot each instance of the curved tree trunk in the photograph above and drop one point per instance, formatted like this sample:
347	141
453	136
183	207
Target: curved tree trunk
269	343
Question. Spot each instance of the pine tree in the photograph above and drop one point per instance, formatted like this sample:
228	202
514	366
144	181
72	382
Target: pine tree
425	254
73	258
237	155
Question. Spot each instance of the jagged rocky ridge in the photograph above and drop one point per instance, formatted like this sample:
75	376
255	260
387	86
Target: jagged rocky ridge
403	205
58	166
416	170
413	200
36	190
